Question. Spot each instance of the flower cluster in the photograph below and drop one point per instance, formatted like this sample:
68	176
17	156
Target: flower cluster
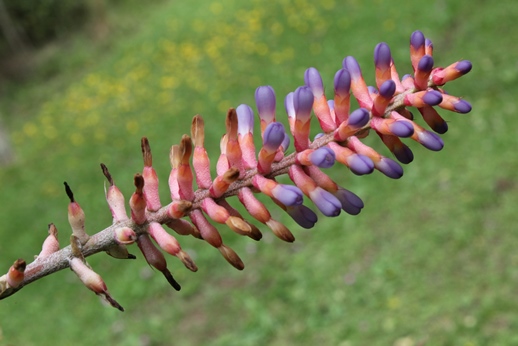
243	170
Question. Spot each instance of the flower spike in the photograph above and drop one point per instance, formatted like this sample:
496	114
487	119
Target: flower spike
243	171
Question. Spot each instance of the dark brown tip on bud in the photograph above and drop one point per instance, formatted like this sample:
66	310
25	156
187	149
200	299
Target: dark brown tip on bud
198	130
231	175
185	149
146	152
113	302
171	280
232	257
231	123
107	174
139	183
53	230
20	265
69	192
131	256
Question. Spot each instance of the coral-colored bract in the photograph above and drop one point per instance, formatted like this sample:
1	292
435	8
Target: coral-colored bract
243	171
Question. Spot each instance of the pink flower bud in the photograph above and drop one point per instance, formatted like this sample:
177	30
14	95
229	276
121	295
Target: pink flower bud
76	217
200	159
156	259
115	198
15	275
51	244
137	201
125	235
92	281
169	244
150	191
222	182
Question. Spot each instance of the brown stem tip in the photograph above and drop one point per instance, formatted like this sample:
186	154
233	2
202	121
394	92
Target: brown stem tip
107	174
146	152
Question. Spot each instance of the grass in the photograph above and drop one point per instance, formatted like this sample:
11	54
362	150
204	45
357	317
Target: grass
431	259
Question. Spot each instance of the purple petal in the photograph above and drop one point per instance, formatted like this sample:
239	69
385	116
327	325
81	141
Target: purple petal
265	100
464	66
432	98
360	164
313	80
382	56
462	106
342	82
318	135
372	90
428	43
404	154
425	64
303	103
402	128
302	215
285	143
387	89
430	140
351	65
390	168
359	118
328	204
288	195
273	136
417	39
245	119
351	203
323	157
331	104
288	104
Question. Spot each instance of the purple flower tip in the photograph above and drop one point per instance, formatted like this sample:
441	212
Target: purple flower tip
404	154
342	82
351	65
273	136
265	101
431	141
372	90
425	64
286	142
417	39
288	195
464	66
323	157
360	164
462	106
432	98
314	81
327	203
402	128
245	119
351	203
358	118
331	104
318	135
303	102
288	104
302	215
382	56
390	168
428	42
387	89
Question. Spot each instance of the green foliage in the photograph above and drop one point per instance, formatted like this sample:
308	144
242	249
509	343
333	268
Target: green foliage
431	259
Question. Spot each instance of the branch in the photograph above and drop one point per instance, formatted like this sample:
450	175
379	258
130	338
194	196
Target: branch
243	171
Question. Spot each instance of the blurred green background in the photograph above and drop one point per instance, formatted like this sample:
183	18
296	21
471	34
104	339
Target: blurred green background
431	260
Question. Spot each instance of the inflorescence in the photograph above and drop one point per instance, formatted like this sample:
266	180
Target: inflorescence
243	171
